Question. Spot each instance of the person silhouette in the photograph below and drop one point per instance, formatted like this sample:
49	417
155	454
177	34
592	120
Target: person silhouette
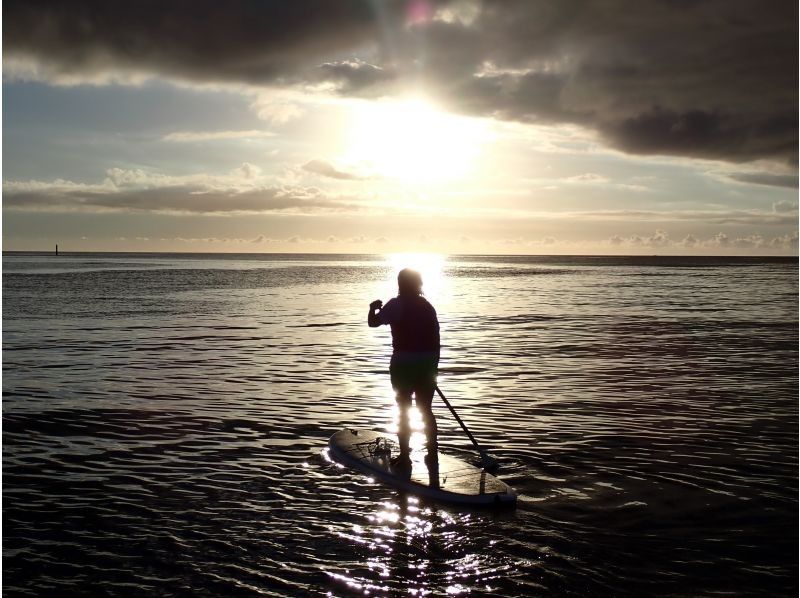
415	360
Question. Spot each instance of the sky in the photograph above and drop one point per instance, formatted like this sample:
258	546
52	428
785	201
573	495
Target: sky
378	126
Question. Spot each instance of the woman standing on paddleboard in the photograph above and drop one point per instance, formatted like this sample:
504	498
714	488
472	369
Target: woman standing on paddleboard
415	359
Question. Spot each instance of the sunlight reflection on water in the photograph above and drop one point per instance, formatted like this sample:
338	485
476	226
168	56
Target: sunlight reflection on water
405	543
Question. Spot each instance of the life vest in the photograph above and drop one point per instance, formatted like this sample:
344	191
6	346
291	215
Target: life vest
417	329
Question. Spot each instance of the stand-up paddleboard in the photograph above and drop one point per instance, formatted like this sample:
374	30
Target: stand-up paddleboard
457	481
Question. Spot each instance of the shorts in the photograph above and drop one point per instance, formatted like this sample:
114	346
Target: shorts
415	376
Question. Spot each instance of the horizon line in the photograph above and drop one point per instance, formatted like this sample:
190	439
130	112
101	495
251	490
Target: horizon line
684	255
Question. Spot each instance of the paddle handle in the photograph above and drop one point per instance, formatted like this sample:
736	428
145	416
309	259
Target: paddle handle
458	419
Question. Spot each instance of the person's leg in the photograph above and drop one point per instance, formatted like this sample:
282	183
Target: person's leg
425	386
403	390
424	400
403	398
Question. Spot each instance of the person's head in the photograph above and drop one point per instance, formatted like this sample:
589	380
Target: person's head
409	282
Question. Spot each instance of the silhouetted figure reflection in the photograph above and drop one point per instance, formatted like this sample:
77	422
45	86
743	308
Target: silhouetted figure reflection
415	360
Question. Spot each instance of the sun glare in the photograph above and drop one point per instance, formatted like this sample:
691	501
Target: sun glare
413	141
429	265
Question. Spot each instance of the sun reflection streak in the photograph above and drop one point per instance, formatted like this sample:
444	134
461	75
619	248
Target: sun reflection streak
417	550
413	547
417	440
326	455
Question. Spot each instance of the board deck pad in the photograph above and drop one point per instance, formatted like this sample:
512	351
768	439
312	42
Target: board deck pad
458	481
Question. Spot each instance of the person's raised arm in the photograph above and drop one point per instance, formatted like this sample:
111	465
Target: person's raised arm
374	309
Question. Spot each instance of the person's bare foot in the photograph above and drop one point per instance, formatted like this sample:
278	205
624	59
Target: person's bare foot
432	462
401	461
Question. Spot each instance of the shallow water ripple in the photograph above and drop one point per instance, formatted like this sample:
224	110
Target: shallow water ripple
165	420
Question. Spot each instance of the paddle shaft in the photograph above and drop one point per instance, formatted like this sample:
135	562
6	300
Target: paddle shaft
458	419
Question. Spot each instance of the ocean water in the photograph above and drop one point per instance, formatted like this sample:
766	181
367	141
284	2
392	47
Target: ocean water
165	419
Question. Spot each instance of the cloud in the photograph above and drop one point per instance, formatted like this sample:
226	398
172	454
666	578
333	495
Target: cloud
703	134
750	241
751	217
137	191
690	241
659	240
635	188
360	239
784	206
248	171
789	181
244	42
727	91
170	200
353	75
262	239
327	169
277	108
720	240
588	178
788	241
194	136
710	96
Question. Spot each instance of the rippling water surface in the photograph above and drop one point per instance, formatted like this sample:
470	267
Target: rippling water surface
165	419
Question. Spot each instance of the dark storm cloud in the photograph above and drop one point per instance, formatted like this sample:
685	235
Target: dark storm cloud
705	134
700	78
709	79
249	41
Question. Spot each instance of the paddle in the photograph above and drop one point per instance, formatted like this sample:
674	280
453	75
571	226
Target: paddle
489	463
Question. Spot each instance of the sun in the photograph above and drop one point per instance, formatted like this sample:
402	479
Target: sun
413	141
429	265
